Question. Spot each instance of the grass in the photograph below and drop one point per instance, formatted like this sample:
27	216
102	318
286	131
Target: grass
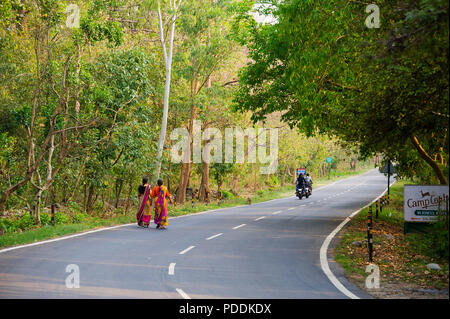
402	259
94	222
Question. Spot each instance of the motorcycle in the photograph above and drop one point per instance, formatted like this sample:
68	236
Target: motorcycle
300	193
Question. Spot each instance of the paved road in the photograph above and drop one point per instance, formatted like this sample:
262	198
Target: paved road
265	250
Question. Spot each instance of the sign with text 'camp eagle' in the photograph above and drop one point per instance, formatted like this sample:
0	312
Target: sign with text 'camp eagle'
422	202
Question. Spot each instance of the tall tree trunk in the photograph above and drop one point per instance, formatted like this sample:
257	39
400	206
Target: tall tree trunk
204	186
119	184
168	63
130	189
235	183
184	178
90	199
437	170
186	168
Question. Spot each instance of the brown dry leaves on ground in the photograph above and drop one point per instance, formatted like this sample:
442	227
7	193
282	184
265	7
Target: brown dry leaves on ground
403	272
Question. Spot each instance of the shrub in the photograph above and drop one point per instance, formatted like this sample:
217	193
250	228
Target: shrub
25	222
7	225
439	239
46	219
61	218
74	207
227	195
80	217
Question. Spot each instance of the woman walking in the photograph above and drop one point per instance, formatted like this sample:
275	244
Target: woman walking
144	214
161	193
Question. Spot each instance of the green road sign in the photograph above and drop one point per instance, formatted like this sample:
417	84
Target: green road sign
329	160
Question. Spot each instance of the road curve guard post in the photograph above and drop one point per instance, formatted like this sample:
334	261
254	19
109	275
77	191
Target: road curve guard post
381	204
53	214
369	233
377	208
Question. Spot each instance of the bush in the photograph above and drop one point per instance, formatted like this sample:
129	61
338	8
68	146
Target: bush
7	225
25	222
439	239
260	193
61	218
227	195
46	219
98	208
80	217
74	207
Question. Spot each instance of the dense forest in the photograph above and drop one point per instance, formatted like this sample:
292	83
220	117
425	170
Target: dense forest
90	92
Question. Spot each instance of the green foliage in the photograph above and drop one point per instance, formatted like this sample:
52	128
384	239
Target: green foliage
96	29
80	217
374	88
227	195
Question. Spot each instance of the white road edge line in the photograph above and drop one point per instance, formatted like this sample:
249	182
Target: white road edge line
260	218
291	208
277	212
63	238
186	250
214	236
182	293
324	249
172	268
241	225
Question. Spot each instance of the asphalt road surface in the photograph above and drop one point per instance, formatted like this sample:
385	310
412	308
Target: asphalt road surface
264	250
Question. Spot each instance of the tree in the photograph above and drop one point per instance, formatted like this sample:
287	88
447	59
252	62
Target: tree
206	46
174	8
384	90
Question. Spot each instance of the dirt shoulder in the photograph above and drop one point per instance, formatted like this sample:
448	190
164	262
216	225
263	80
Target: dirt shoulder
404	261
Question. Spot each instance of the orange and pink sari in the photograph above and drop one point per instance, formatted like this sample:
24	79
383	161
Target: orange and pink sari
161	215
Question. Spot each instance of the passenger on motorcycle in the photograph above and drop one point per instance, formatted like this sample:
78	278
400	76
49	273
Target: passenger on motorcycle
308	181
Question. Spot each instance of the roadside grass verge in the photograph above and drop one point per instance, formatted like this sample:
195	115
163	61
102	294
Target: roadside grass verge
76	221
402	259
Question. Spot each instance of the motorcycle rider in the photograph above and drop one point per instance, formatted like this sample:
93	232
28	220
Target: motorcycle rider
308	181
301	182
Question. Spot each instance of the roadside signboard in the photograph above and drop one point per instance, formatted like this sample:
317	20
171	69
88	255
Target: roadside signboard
388	168
422	202
299	171
329	160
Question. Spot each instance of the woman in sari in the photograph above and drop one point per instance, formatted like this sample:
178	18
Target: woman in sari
161	193
144	214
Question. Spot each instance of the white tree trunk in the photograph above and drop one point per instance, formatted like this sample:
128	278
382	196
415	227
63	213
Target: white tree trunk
168	63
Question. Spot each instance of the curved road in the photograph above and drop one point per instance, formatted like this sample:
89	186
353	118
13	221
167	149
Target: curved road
264	250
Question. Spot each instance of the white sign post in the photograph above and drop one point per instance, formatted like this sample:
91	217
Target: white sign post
422	203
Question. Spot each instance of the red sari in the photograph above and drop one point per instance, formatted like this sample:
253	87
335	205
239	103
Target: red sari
143	216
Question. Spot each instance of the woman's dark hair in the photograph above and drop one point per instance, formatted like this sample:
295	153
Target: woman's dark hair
141	189
160	182
144	180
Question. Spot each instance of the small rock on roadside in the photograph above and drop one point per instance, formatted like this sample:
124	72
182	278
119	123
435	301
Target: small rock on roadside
433	266
388	236
357	243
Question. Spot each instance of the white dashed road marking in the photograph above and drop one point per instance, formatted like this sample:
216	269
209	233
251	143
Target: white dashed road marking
172	268
186	250
214	236
183	294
